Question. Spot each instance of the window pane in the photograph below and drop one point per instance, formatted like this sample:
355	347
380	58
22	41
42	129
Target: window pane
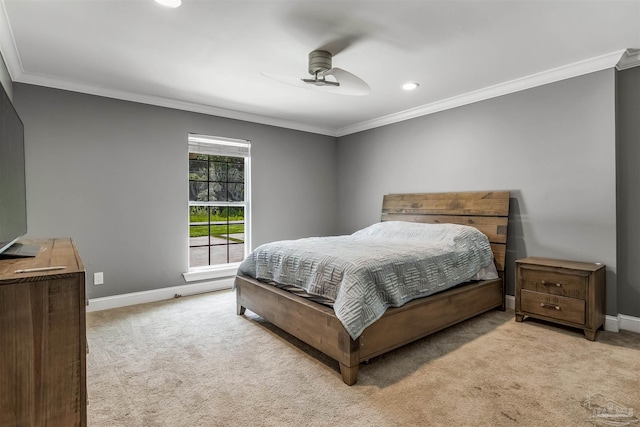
218	255
236	172
198	236
218	192
236	192
236	225
198	170
199	256
199	225
236	215
218	171
219	214
198	191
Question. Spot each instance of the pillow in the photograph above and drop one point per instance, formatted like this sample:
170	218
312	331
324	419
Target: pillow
415	230
419	233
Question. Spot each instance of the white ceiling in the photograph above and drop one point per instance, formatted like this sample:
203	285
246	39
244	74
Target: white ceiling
208	56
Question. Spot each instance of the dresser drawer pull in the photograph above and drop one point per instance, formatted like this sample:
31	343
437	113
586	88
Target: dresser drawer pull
551	283
545	305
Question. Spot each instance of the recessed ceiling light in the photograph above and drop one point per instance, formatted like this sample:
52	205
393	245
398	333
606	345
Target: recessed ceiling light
169	3
410	86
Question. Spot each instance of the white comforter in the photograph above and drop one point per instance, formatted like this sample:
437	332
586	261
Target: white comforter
384	265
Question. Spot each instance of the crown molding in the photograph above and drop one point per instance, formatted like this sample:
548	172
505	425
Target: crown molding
39	80
550	76
8	47
630	58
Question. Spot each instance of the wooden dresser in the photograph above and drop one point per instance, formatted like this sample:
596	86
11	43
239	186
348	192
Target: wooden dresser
567	292
42	338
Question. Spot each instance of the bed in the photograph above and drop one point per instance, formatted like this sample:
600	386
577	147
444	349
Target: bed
319	326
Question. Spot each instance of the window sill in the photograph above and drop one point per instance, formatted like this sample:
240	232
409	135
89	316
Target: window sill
207	273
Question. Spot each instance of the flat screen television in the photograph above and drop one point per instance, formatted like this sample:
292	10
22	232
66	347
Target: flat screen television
13	197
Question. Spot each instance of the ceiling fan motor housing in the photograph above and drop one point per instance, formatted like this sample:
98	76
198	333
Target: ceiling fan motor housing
319	60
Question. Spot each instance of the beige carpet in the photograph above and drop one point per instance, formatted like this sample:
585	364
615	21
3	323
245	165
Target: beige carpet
193	362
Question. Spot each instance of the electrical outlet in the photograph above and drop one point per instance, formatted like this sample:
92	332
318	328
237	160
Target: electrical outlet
98	278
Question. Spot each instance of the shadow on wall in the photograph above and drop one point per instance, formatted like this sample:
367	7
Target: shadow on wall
516	247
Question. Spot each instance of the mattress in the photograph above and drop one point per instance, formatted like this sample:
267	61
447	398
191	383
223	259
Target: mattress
381	266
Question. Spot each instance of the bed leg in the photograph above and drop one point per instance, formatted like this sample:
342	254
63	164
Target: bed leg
349	373
240	310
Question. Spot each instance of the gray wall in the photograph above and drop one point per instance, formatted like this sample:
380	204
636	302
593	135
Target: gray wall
628	157
552	146
113	176
97	166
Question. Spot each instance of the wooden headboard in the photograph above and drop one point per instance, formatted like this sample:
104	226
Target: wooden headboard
488	211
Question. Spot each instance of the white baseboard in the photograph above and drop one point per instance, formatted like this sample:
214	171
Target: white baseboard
622	322
123	300
611	323
510	302
629	323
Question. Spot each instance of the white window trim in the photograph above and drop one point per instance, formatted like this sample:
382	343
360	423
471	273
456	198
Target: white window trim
211	272
242	149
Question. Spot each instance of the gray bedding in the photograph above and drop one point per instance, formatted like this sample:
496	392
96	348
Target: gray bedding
384	265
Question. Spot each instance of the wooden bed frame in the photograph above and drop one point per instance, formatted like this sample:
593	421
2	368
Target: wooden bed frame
318	326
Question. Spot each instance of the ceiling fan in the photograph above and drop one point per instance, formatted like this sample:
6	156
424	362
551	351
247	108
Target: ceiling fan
326	78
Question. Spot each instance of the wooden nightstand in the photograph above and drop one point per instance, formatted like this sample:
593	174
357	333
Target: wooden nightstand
567	292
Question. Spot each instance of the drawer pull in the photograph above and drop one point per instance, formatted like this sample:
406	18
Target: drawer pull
551	283
545	305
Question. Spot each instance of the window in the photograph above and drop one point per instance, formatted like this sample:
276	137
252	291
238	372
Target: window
218	201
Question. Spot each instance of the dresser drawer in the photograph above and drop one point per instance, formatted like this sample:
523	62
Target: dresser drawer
555	283
553	306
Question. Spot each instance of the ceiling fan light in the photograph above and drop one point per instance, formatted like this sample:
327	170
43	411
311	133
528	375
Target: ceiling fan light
169	3
410	86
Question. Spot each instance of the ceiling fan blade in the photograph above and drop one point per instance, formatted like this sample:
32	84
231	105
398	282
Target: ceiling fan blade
299	82
338	45
350	84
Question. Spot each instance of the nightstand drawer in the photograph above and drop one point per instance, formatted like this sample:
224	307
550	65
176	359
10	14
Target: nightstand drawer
553	306
555	283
